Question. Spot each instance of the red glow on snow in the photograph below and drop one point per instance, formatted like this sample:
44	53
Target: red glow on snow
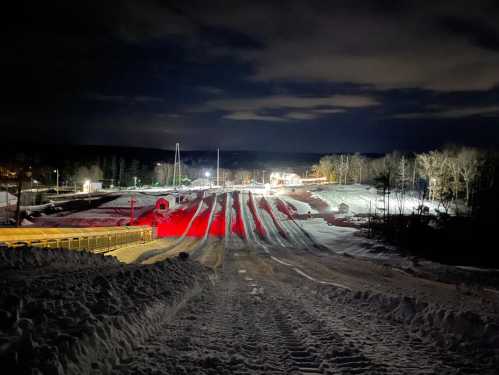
172	223
200	224
286	208
266	206
260	229
238	224
217	228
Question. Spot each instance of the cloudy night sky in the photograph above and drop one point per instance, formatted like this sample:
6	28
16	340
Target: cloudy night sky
305	76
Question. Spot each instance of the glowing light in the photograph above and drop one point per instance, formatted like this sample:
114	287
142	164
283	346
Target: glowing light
87	185
207	174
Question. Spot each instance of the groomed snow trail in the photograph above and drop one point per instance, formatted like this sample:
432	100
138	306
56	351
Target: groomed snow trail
260	318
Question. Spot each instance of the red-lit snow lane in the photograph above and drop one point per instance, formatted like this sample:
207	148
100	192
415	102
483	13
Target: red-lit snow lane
217	227
200	225
238	223
264	204
286	208
175	222
260	229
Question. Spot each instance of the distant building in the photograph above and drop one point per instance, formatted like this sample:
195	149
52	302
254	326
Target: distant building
92	187
285	179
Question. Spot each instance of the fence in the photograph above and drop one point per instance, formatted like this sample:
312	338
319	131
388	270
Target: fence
96	239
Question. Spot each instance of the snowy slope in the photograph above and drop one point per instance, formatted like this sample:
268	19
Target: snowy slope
362	199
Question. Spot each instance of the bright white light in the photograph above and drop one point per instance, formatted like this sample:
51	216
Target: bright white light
158	164
86	186
55	170
207	174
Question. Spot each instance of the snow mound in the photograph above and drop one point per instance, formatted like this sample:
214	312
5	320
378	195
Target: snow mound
455	329
87	320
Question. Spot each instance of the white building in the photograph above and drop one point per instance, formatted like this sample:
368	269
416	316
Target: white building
91	187
284	179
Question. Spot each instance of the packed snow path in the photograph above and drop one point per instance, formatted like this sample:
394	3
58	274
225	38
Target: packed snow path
260	318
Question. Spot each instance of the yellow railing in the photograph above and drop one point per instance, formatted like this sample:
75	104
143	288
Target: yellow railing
95	239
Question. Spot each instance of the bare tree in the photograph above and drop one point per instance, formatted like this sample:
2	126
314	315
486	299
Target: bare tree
469	164
358	167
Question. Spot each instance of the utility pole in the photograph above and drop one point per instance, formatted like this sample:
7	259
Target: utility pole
218	167
56	171
263	176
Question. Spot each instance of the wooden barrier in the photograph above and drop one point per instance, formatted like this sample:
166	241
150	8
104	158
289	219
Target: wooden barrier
95	239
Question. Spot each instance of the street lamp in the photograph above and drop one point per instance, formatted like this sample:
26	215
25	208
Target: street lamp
207	175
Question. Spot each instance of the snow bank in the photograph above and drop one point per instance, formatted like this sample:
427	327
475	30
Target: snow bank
454	329
86	320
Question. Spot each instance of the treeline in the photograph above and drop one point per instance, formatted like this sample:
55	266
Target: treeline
124	172
448	175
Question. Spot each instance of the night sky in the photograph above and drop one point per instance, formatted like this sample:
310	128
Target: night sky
304	76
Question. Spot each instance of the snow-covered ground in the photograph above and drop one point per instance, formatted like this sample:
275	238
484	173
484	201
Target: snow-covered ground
67	312
277	295
363	199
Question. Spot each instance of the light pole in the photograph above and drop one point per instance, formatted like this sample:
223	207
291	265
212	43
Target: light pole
56	171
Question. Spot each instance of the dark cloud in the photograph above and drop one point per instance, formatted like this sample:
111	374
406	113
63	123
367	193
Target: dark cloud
154	71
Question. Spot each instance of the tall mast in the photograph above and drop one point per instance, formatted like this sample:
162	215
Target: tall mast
179	166
175	165
218	167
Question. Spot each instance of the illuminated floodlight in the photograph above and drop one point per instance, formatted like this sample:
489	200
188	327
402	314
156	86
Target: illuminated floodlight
207	174
86	186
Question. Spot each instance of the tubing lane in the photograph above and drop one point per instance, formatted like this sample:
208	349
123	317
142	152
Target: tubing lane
286	219
264	204
249	224
208	225
273	234
228	217
239	226
301	233
260	229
